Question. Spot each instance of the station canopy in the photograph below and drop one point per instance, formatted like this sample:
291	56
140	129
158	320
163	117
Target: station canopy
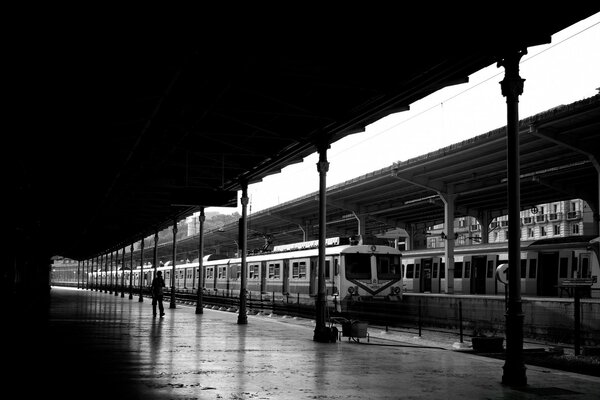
122	126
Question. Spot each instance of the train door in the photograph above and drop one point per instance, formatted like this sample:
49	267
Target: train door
466	282
478	274
530	287
436	275
549	272
491	285
427	269
584	269
336	276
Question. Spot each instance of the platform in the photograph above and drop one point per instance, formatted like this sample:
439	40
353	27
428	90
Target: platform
101	346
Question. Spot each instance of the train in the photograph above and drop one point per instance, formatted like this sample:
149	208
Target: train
371	273
549	268
353	273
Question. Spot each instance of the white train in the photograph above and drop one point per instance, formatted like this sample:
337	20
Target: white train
353	273
547	266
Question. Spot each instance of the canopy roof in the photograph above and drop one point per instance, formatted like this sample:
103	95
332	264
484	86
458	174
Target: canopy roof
124	127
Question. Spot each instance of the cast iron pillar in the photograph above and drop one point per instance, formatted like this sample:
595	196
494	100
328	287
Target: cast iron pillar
117	272
141	298
512	88
321	334
106	273
111	284
96	275
242	316
174	261
123	273
201	218
101	270
131	273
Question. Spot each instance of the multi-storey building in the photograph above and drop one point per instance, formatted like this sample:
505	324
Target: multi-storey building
557	219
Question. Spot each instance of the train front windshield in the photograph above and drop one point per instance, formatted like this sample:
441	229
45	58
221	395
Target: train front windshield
359	266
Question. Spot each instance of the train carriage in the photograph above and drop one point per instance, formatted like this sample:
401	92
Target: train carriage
545	265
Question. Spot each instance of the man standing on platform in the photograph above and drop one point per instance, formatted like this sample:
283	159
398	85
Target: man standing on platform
158	283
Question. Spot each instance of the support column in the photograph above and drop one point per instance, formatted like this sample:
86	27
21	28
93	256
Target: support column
87	274
111	284
362	226
141	298
321	334
484	220
512	87
117	272
97	269
78	267
199	305
131	268
242	316
103	274
448	200
174	261
106	273
123	273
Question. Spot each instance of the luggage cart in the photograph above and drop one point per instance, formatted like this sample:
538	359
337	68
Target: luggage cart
352	329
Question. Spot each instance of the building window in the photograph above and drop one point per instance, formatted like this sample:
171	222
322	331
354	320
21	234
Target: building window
530	233
431	242
542	231
575	228
557	229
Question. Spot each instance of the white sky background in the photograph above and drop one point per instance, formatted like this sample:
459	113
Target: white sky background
562	72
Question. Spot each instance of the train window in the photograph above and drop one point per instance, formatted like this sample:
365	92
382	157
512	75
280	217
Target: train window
299	269
532	268
327	269
563	271
523	268
222	272
253	271
442	270
585	266
209	273
358	266
275	271
336	266
388	267
417	270
490	269
234	271
458	269
468	269
410	270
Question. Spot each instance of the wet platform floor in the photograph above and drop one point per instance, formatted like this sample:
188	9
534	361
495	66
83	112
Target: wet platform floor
96	345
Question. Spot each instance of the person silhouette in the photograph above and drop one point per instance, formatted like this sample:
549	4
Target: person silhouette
158	283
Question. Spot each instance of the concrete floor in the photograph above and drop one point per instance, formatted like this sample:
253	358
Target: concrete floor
101	346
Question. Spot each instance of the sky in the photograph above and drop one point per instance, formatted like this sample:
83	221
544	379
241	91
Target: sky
562	72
